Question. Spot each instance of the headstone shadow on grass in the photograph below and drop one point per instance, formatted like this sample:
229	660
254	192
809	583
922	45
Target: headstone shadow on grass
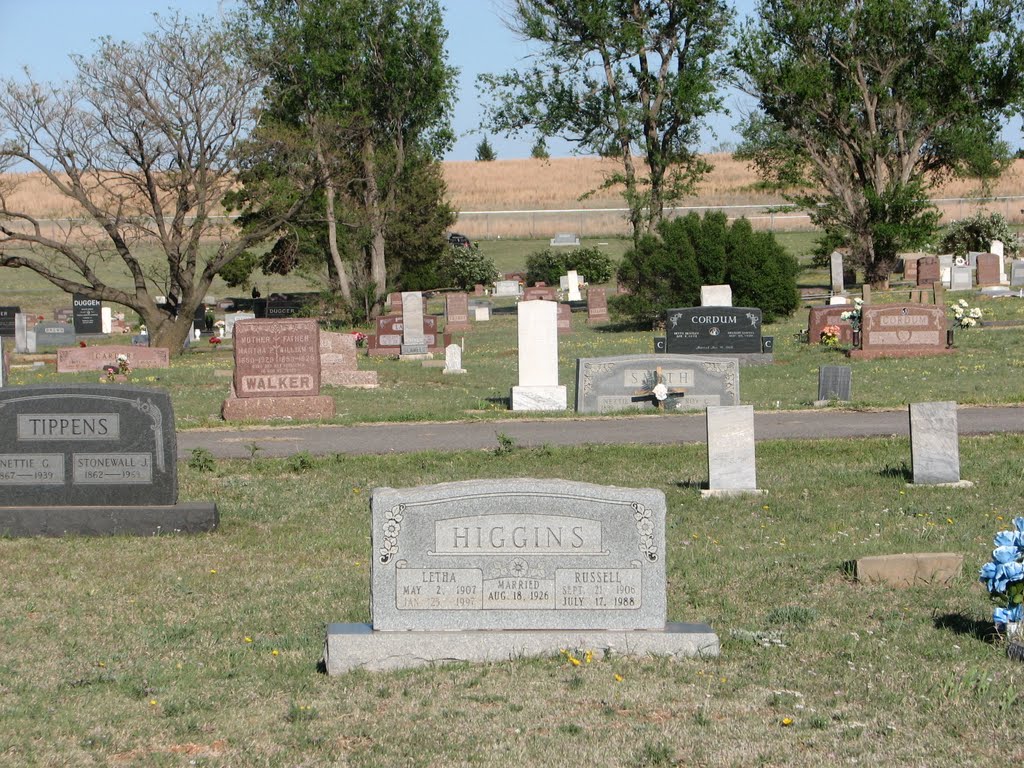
959	624
901	472
687	484
504	402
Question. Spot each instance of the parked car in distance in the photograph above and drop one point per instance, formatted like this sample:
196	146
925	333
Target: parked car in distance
460	240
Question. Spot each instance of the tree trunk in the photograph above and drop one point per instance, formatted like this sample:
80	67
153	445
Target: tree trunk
169	332
344	284
375	219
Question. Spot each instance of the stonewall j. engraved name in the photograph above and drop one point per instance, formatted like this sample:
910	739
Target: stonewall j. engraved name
518	554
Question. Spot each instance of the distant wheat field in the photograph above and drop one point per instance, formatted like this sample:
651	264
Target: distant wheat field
539	198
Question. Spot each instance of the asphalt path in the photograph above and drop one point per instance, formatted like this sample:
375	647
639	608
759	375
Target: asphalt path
643	430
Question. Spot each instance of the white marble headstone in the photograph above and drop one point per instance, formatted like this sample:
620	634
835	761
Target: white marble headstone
731	463
538	388
106	320
573	280
716	295
996	247
453	359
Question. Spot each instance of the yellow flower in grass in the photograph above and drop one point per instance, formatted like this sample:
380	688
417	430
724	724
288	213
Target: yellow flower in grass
588	656
275	652
787	721
618	678
248	639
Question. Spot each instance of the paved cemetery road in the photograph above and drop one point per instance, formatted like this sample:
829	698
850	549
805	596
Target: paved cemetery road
651	430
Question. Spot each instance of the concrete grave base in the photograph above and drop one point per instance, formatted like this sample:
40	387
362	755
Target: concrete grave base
710	493
194	517
358	646
957	484
454	370
550	398
416	356
307	407
911	569
348	378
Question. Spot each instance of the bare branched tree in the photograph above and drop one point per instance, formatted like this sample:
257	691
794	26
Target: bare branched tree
146	140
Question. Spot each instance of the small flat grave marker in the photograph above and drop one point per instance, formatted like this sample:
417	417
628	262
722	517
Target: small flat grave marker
565	239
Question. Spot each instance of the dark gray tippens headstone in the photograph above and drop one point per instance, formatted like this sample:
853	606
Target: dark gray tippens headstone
834	382
87	444
518	554
934	443
713	330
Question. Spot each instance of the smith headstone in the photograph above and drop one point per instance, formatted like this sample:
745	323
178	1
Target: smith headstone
86	314
714	330
934	443
692	383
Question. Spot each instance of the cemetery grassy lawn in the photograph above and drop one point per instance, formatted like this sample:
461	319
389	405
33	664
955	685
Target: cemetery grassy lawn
203	650
986	369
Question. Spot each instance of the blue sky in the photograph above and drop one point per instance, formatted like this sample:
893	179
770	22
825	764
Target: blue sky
41	34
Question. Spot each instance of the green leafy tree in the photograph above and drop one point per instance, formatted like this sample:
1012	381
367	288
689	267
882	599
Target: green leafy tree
485	152
667	270
539	150
464	267
976	233
548	266
146	140
364	86
866	104
630	79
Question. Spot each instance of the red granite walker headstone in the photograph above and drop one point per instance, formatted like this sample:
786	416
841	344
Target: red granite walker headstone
928	271
902	330
277	371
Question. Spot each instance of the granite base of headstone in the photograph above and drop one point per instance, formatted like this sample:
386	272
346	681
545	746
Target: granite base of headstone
834	384
732	469
91	459
496	570
338	363
935	445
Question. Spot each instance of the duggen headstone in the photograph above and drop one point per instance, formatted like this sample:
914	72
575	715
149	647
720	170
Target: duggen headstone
85	313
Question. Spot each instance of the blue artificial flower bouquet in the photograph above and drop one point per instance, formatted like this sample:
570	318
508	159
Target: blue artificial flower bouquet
1004	576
